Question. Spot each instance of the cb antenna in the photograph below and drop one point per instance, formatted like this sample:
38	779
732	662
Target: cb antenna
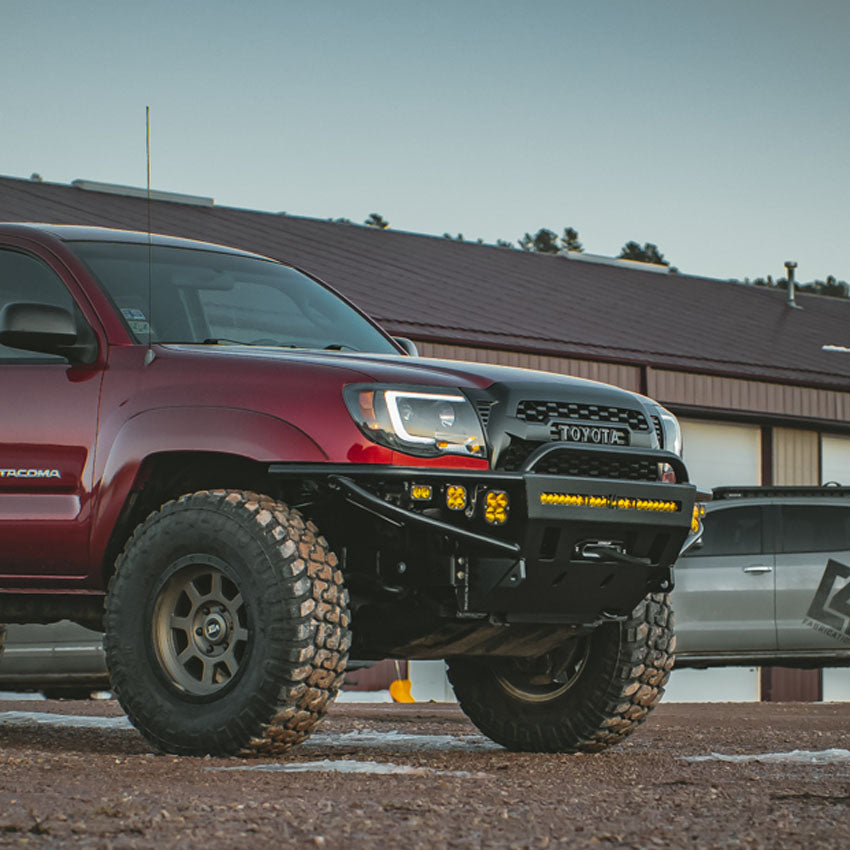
149	355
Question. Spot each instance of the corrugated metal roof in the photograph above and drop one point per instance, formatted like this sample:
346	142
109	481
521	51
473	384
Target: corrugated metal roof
463	293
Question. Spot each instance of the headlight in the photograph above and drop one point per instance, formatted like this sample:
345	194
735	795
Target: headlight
417	421
672	431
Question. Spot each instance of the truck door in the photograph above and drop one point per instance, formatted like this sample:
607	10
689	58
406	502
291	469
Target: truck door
724	591
813	577
48	422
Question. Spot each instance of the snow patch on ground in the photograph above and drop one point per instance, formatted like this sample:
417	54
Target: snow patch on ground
344	766
21	696
66	721
363	738
363	696
830	756
401	741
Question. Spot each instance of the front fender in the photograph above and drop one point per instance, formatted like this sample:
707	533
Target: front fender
232	431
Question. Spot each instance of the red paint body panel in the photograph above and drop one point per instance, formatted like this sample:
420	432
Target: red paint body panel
49	422
97	424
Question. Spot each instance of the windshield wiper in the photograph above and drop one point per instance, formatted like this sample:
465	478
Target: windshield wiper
222	341
225	341
334	346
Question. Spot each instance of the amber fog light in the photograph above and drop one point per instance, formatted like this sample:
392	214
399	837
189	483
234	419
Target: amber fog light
456	497
496	507
421	492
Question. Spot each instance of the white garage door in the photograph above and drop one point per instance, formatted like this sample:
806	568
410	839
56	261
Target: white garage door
835	459
717	453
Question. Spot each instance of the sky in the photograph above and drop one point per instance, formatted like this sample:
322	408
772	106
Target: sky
720	131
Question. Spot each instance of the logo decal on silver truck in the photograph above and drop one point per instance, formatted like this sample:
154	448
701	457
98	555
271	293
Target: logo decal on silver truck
829	612
30	473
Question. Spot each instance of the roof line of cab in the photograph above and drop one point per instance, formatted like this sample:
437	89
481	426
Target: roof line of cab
79	233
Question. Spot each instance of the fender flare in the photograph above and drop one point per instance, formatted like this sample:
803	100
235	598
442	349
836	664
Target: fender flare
221	430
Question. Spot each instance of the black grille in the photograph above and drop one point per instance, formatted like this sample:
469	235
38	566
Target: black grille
580	464
659	431
484	408
545	411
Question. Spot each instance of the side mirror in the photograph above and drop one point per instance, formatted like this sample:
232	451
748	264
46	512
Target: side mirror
45	329
692	542
408	345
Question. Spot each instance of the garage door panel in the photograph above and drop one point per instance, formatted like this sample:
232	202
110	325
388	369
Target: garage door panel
718	453
835	459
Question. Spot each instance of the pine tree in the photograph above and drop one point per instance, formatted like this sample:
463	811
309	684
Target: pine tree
648	253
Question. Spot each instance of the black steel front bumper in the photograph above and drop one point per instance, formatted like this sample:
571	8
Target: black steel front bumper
571	550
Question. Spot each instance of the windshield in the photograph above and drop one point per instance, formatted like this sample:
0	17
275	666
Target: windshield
200	296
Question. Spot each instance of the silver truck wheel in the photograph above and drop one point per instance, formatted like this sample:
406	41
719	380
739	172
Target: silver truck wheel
226	625
589	696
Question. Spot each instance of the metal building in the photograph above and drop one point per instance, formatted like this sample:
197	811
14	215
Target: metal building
762	386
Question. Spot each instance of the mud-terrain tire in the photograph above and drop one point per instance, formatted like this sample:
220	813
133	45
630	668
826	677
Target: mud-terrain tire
227	625
615	677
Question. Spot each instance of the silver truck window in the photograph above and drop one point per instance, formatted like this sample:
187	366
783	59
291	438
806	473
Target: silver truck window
732	531
815	528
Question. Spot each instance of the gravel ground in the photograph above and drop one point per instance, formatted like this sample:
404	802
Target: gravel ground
103	787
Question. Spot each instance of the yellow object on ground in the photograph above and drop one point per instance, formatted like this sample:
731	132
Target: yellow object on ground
400	688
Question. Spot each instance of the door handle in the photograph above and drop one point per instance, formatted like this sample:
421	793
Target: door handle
758	569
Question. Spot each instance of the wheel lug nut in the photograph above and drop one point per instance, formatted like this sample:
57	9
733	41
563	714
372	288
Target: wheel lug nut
199	631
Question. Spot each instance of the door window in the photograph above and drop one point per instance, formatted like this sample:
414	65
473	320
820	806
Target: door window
732	531
25	278
815	528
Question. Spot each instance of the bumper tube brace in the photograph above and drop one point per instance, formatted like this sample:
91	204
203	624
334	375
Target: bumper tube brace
362	498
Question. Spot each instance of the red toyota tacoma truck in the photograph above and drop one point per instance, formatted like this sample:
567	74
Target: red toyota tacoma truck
242	479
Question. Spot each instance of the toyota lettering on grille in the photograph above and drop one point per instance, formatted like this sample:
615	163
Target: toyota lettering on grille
594	434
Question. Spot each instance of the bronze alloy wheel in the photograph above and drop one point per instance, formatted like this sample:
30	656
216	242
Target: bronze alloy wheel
585	697
200	627
227	625
527	684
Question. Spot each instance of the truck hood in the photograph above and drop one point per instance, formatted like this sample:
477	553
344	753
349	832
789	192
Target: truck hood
402	369
514	405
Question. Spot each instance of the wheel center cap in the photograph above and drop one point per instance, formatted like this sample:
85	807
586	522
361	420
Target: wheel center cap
215	628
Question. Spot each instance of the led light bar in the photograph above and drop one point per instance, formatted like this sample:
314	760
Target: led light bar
578	500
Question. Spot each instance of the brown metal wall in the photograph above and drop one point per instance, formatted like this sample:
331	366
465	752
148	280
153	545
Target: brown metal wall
795	460
796	456
628	377
736	394
671	387
786	684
